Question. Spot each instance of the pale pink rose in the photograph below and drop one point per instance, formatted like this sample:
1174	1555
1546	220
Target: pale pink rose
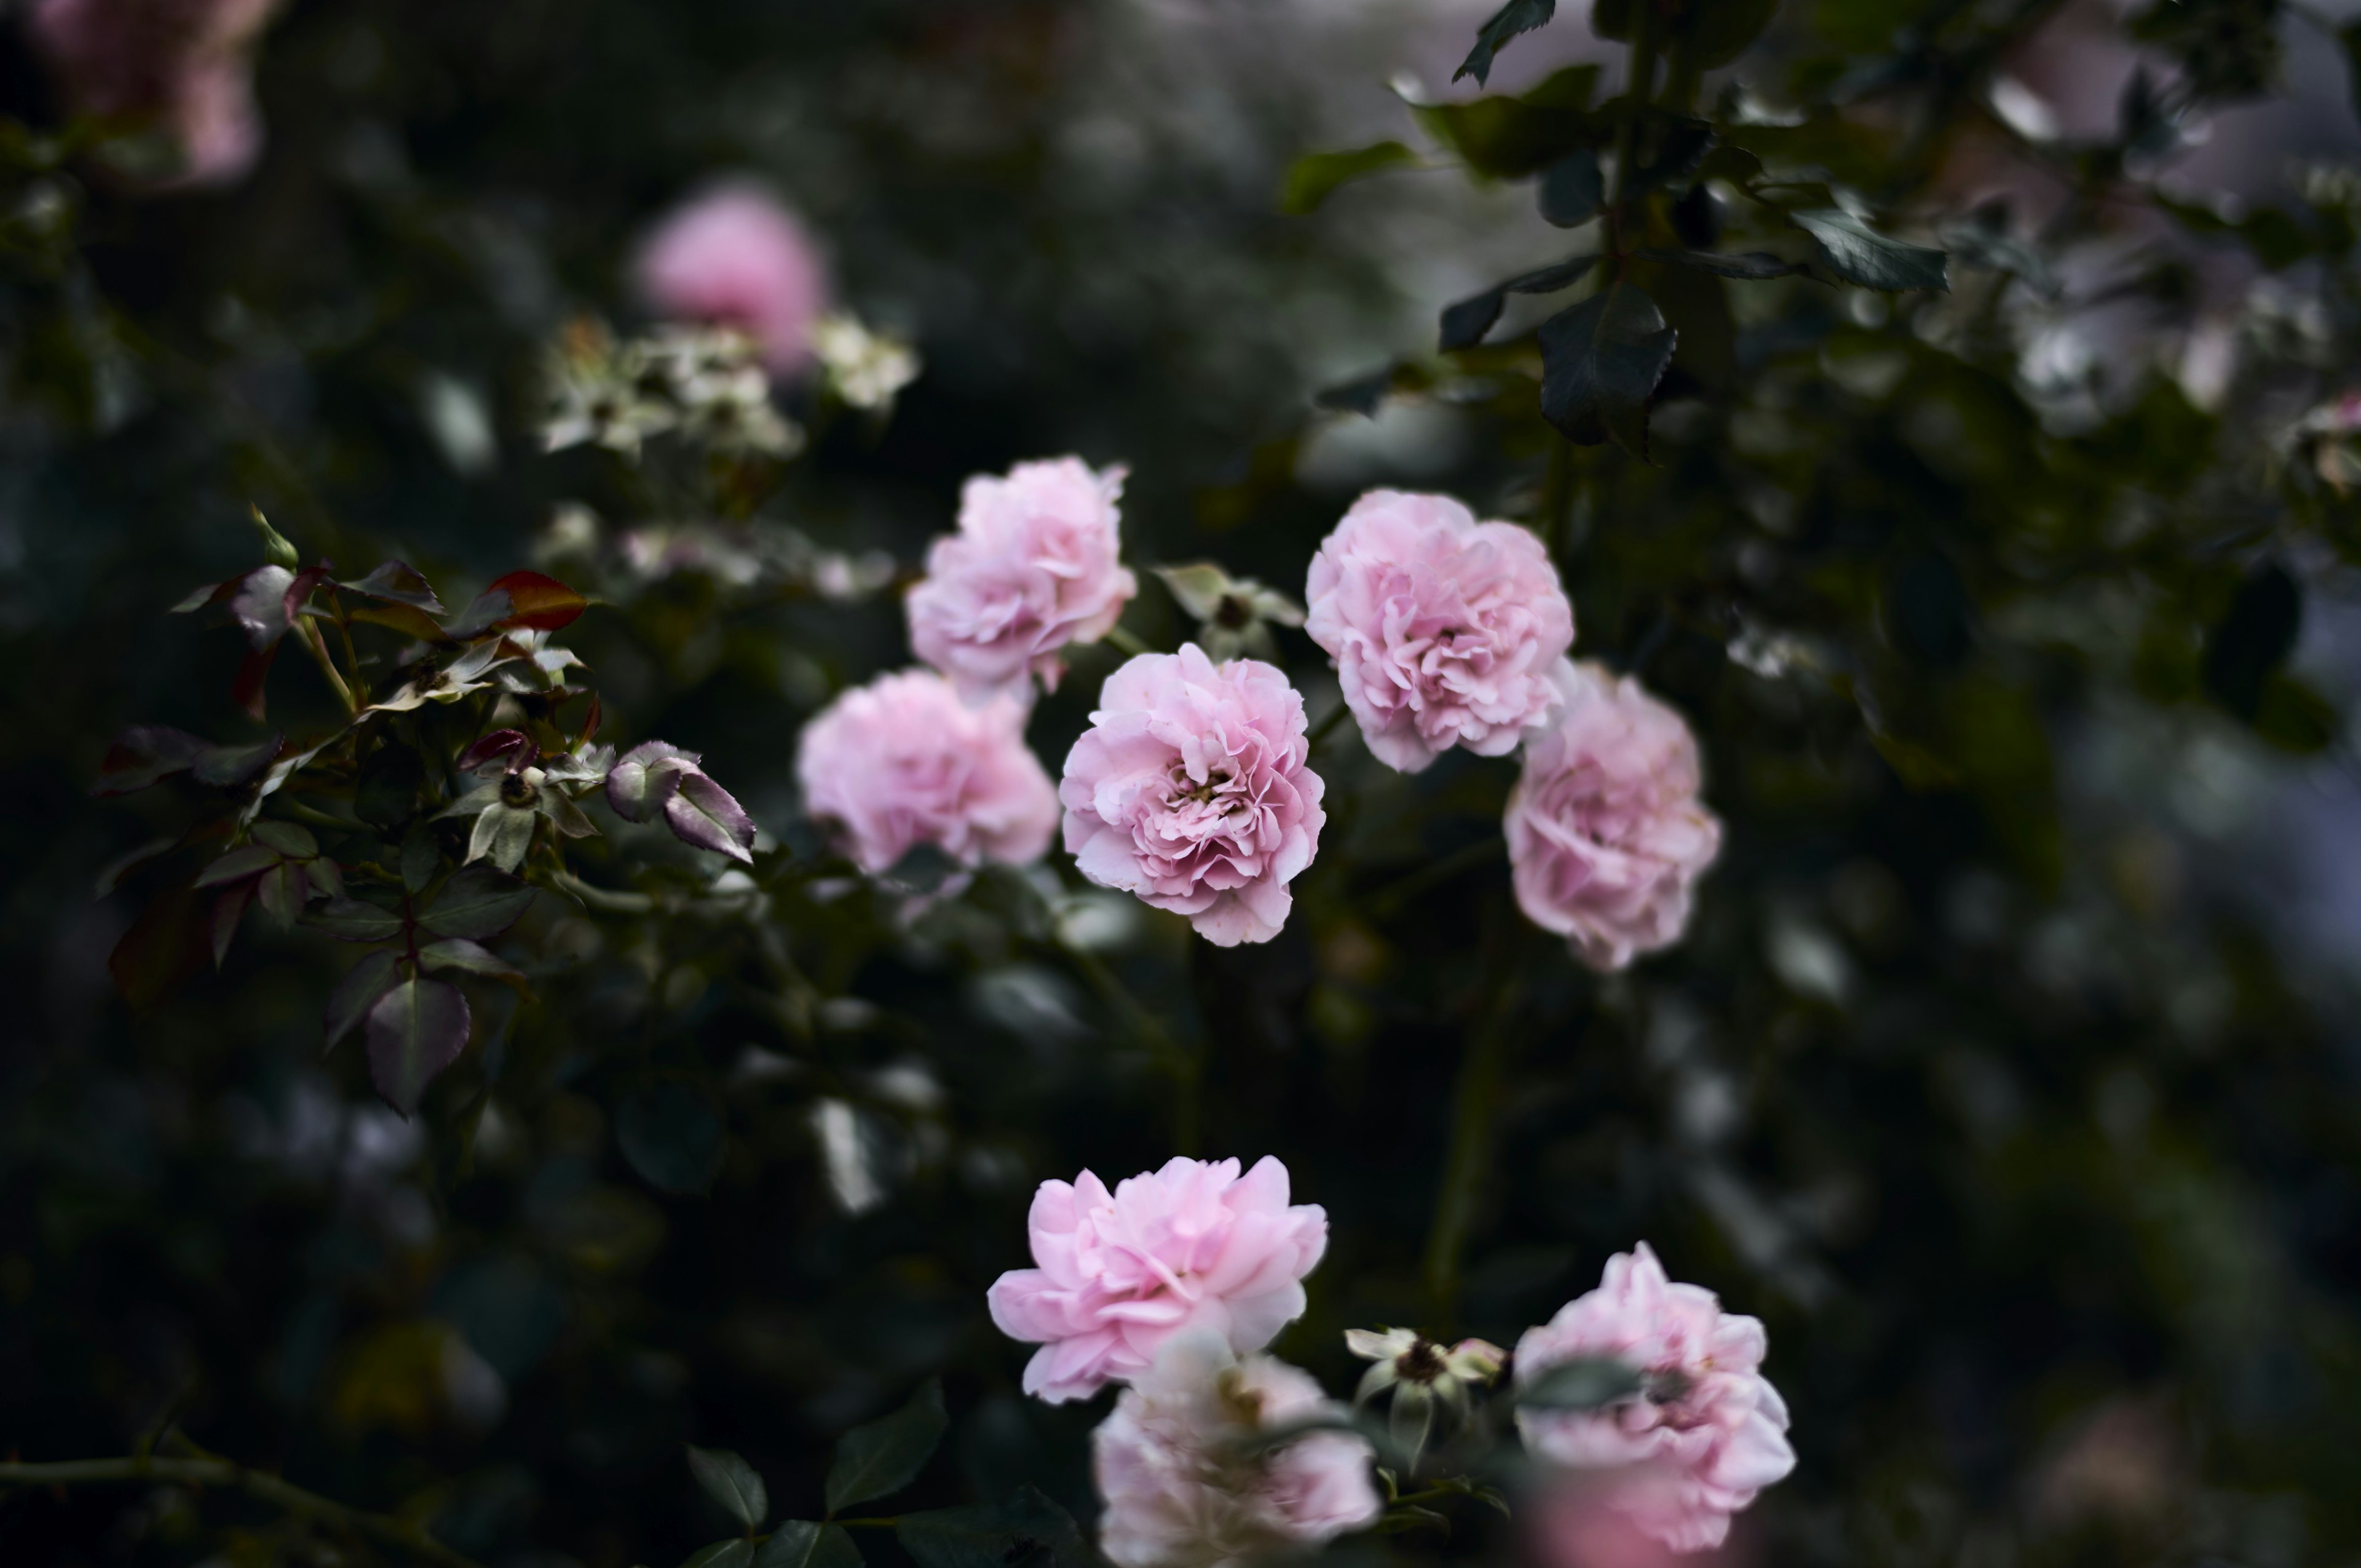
1194	1245
1183	1483
1037	563
1607	838
734	256
902	762
185	66
1708	1434
1189	791
1443	628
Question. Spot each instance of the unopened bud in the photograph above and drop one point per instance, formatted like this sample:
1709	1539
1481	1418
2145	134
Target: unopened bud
275	550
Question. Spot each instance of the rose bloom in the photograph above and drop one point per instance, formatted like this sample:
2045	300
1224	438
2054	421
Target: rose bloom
1192	1246
902	762
1182	1490
1443	628
1708	1432
1607	838
1035	564
1189	789
734	256
185	65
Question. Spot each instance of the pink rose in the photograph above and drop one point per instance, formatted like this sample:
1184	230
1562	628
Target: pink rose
1184	1484
1037	563
1706	1435
902	762
1194	1245
1606	835
734	256
185	65
1443	628
1189	791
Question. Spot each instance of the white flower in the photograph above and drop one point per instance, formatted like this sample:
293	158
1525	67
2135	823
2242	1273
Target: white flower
865	368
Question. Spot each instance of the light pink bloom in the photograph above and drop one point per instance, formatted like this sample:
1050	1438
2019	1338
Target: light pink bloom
1443	628
734	256
1708	1433
1607	838
184	65
1184	1487
902	762
1189	791
1194	1245
1037	563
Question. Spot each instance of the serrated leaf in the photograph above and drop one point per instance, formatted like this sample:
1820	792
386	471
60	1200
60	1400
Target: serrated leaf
350	920
358	992
1023	1530
1502	138
1600	364
721	1554
457	955
281	893
672	1134
397	582
421	854
731	1481
417	1029
1314	177
292	840
1571	190
1465	323
1584	1383
478	903
1749	265
524	600
1516	16
799	1543
248	859
1859	254
882	1456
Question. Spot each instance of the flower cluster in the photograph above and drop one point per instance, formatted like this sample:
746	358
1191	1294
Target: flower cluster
706	383
1172	1282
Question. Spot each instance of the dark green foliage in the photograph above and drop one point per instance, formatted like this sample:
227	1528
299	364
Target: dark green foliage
880	1458
1600	364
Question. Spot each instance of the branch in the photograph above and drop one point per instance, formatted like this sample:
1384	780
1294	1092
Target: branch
254	1483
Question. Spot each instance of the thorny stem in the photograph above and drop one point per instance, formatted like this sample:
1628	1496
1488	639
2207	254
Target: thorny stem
1177	1058
256	1484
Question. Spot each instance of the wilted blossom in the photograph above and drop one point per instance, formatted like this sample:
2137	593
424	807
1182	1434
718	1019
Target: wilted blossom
652	777
1707	1432
1425	1377
1186	1484
1234	615
1189	789
1607	836
1192	1246
185	66
1443	628
734	256
902	762
1035	564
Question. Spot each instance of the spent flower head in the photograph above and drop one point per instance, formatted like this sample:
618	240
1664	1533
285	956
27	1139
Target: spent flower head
1234	615
1424	1375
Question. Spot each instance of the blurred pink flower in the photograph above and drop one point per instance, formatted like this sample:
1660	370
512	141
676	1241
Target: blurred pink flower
1189	791
1594	1520
1708	1432
1037	563
1605	834
1443	628
902	762
1194	1245
734	256
1184	1487
184	65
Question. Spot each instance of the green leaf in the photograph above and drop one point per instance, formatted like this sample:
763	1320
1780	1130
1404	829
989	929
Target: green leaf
290	840
1026	1531
1313	177
672	1134
882	1457
1516	16
359	991
386	793
457	955
1502	138
421	854
397	582
731	1481
1752	265
416	1030
1717	31
350	920
1859	254
244	861
721	1554
1571	190
1600	364
799	1543
2249	643
1584	1383
478	903
2294	718
1465	322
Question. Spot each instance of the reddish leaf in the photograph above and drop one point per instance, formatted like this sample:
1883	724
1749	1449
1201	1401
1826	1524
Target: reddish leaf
358	992
407	619
589	723
228	909
511	746
522	600
415	1030
143	754
164	946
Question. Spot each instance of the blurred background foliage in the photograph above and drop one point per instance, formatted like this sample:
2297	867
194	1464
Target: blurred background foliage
2007	1069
